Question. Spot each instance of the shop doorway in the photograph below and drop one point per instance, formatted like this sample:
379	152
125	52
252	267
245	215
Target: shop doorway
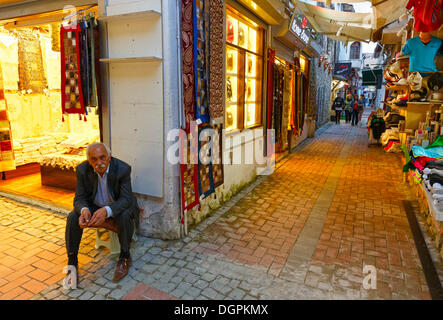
46	143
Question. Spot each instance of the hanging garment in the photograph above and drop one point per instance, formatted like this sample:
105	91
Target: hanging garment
97	73
426	14
187	47
217	158
294	117
189	176
85	67
271	60
7	160
92	61
71	84
30	63
216	61
286	106
205	171
200	62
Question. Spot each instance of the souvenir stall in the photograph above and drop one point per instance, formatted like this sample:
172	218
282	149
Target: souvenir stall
413	107
50	100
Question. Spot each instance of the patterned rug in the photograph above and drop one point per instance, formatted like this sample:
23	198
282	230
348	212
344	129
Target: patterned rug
30	62
189	176
72	98
188	60
201	47
205	171
217	160
216	61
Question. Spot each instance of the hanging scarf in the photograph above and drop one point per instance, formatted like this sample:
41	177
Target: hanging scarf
200	61
7	161
187	47
72	94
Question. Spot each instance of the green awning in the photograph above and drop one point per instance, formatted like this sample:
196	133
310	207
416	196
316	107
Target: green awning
372	77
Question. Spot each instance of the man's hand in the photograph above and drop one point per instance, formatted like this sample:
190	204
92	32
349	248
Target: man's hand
85	218
98	217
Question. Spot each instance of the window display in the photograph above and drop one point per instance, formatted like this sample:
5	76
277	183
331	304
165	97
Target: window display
244	56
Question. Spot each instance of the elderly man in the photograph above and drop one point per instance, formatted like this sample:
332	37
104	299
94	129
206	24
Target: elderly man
103	198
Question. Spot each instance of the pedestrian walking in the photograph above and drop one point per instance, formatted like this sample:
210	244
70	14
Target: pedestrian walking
348	108
338	107
361	107
354	119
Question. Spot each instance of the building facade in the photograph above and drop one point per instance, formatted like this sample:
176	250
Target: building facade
271	75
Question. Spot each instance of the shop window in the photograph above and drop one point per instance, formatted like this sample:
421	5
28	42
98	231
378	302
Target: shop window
244	72
355	51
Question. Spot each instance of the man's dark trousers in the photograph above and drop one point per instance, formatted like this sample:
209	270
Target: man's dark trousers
125	227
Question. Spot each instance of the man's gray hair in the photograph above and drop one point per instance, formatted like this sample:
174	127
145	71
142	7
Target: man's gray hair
96	144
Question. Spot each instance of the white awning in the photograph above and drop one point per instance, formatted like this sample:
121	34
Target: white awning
352	26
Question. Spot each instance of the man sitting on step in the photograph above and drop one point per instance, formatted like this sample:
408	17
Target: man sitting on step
103	199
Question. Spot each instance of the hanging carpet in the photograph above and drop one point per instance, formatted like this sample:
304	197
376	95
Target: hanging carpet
189	174
217	158
205	171
7	161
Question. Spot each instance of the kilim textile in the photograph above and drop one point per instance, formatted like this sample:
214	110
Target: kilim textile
216	61
200	61
30	62
187	47
7	162
205	171
217	156
72	94
189	175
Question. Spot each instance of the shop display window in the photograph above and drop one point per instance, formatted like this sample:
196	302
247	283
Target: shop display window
244	72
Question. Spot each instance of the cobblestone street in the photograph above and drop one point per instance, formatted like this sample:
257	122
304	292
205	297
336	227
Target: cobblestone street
305	232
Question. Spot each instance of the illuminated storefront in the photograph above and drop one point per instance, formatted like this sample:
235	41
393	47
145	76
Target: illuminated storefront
244	71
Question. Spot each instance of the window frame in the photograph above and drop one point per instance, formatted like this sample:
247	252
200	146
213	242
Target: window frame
242	77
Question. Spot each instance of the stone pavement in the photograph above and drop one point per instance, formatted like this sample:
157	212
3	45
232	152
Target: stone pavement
305	232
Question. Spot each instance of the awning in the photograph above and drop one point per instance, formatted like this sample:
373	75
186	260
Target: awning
372	77
352	26
266	9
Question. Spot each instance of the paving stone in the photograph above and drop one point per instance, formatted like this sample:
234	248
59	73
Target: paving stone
118	294
209	293
201	284
236	294
86	296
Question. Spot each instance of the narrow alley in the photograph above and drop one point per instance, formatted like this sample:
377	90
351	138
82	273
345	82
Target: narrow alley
306	232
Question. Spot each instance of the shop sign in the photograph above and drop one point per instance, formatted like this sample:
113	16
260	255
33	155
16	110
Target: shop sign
343	69
301	27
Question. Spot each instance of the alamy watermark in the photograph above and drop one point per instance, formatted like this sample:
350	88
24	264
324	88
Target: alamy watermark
209	145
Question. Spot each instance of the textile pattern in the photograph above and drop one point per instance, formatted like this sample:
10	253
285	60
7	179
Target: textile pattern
187	47
216	61
205	171
200	61
189	176
72	97
217	159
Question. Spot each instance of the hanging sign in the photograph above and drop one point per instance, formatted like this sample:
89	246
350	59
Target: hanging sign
301	27
342	69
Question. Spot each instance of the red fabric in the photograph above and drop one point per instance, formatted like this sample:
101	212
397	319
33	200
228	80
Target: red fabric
421	162
6	145
426	14
74	66
355	106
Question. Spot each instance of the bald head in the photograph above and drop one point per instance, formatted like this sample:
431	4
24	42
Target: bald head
99	156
